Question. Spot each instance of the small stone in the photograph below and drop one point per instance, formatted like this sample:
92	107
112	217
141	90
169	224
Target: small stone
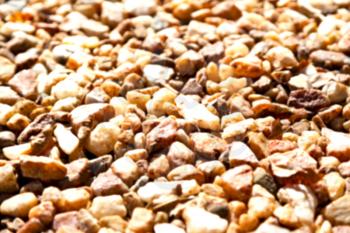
91	114
208	145
126	169
227	10
338	211
336	92
189	63
8	179
311	99
213	52
112	13
329	59
108	206
241	153
102	139
19	205
7	138
237	182
140	7
186	172
338	145
8	69
88	223
142	220
157	74
212	169
249	66
258	143
335	185
281	58
67	141
8	96
199	220
25	83
192	87
45	212
179	154
300	81
261	177
114	223
108	183
167	228
158	167
21	42
94	28
67	88
162	135
191	110
73	199
68	219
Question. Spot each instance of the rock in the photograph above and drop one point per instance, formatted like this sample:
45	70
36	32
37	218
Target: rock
162	135
212	169
7	95
241	153
108	183
21	42
45	212
88	223
8	69
300	81
140	7
192	87
25	83
7	138
100	164
32	226
43	168
199	220
249	66
38	126
19	205
213	52
112	13
67	141
311	99
8	179
329	59
335	185
126	169
186	172
336	92
338	145
208	145
264	179
281	58
157	74
237	182
67	88
167	228
14	152
115	222
142	220
227	10
107	206
189	63
191	110
73	199
258	143
293	162
338	211
102	139
179	154
68	219
91	114
158	167
94	28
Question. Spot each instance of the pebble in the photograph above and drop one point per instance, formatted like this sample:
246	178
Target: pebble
67	141
112	13
7	138
281	58
162	135
67	88
8	179
8	96
45	212
94	28
158	167
208	145
102	139
336	92
228	10
108	206
43	168
193	111
142	221
188	63
338	211
338	145
19	205
179	154
186	172
73	199
335	185
25	83
108	183
157	74
8	69
240	153
126	169
199	220
167	228
248	66
140	7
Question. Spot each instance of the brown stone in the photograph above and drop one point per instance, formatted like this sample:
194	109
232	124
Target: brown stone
25	83
208	145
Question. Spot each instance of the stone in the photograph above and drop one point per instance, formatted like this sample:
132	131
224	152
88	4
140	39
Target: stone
68	219
162	135
8	96
126	169
19	205
189	63
67	141
240	153
157	74
335	185
115	222
179	154
91	114
329	59
112	13
43	168
258	143
140	7
8	69
167	228
248	66
281	58
73	199
14	152
102	138
186	172
158	167
227	10
25	83
338	145
88	223
300	81
32	226
45	212
338	211
237	182
67	88
336	92
8	179
199	220
311	99
107	206
21	42
94	28
213	52
191	110
7	138
212	169
207	145
142	220
108	183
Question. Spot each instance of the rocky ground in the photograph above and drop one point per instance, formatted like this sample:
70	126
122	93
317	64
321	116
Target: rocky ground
174	116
